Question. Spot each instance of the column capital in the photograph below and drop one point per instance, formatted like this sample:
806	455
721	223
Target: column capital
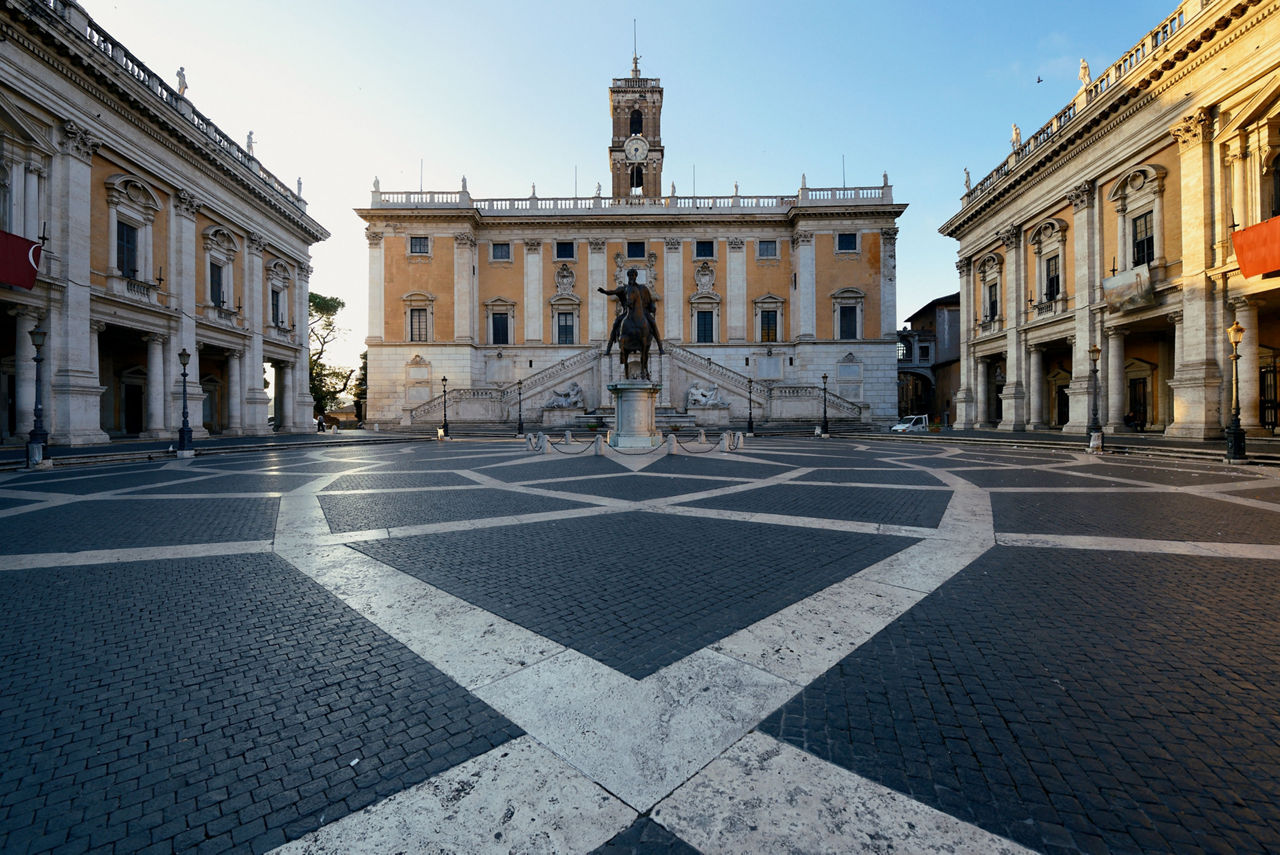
234	354
597	244
78	142
1242	303
153	338
673	244
1192	130
373	236
97	327
963	266
1117	332
466	239
736	244
801	238
29	312
532	245
1081	196
1174	318
186	204
889	234
257	242
1010	237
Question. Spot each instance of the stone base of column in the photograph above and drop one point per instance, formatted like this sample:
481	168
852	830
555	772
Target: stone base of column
1196	396
634	412
79	408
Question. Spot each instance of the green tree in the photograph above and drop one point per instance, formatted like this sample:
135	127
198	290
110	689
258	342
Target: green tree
327	382
360	388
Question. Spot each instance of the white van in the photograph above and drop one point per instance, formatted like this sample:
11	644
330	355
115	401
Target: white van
911	424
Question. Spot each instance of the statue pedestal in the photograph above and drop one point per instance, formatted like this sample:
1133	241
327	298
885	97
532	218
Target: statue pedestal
636	403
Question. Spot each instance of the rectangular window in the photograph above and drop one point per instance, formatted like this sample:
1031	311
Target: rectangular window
419	245
706	327
127	250
767	249
565	249
635	249
275	309
215	283
1052	278
418	325
847	242
993	301
499	328
500	251
1144	240
768	325
704	249
925	352
848	322
564	328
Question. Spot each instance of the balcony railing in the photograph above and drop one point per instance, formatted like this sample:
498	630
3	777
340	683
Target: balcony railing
577	205
1132	60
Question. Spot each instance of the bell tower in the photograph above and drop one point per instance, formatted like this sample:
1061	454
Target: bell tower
635	154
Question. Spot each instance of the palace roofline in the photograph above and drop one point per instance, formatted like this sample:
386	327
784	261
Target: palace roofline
1153	56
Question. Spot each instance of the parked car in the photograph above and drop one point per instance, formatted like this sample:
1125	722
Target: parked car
911	424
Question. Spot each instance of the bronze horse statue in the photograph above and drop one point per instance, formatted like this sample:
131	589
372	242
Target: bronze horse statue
636	326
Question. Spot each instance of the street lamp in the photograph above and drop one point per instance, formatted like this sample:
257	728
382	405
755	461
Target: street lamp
1095	426
751	425
826	429
444	382
184	433
39	437
1235	434
520	408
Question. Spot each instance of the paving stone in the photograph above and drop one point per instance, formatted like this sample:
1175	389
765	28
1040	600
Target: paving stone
1044	479
266	482
398	480
1179	474
1164	672
120	524
855	504
692	464
388	510
1155	516
900	477
701	580
204	668
637	487
557	467
87	482
644	837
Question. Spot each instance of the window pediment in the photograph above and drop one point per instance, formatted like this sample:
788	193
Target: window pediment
1146	180
216	238
123	188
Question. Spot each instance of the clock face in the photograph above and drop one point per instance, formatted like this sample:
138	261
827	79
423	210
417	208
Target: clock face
636	148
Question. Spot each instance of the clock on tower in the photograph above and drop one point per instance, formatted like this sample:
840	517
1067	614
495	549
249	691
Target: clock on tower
635	153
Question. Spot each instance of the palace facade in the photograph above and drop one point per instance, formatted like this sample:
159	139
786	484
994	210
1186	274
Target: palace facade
1109	233
160	235
498	300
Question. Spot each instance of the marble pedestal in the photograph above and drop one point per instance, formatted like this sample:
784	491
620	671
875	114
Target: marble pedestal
636	402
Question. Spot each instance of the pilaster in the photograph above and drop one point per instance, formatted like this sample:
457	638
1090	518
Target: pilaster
464	292
804	262
377	274
673	295
736	291
533	307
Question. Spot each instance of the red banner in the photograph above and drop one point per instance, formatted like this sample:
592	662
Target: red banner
1258	248
19	261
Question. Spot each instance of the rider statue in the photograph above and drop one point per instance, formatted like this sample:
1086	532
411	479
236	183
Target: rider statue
624	295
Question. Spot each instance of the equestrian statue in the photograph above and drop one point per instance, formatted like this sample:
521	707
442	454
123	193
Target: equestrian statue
635	326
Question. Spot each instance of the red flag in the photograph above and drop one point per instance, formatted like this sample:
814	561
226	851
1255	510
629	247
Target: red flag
19	261
1258	248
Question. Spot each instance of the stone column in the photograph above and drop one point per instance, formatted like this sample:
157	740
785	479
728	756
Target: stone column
235	399
673	290
73	407
376	285
31	202
533	308
598	320
981	404
284	391
1014	412
1250	393
95	329
736	291
1197	385
302	344
1113	418
1035	384
25	368
964	395
256	399
155	420
804	265
888	281
464	296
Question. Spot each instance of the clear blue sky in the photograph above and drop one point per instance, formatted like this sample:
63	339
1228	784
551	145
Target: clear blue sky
515	93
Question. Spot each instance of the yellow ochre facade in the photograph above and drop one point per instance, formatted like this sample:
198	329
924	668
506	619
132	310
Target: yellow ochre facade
757	296
1112	229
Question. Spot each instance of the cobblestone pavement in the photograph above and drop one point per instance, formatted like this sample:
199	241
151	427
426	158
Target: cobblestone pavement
800	646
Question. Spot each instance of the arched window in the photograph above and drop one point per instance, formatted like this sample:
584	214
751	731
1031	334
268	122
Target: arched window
637	180
637	122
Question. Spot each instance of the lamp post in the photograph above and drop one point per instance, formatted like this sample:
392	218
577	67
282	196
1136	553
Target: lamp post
751	424
444	382
184	433
1095	426
826	429
1235	433
39	437
520	408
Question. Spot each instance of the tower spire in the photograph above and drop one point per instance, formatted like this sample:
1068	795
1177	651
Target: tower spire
635	52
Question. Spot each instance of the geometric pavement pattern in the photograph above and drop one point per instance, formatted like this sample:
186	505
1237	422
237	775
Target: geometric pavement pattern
803	645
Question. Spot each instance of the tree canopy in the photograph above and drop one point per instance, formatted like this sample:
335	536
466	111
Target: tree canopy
327	382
